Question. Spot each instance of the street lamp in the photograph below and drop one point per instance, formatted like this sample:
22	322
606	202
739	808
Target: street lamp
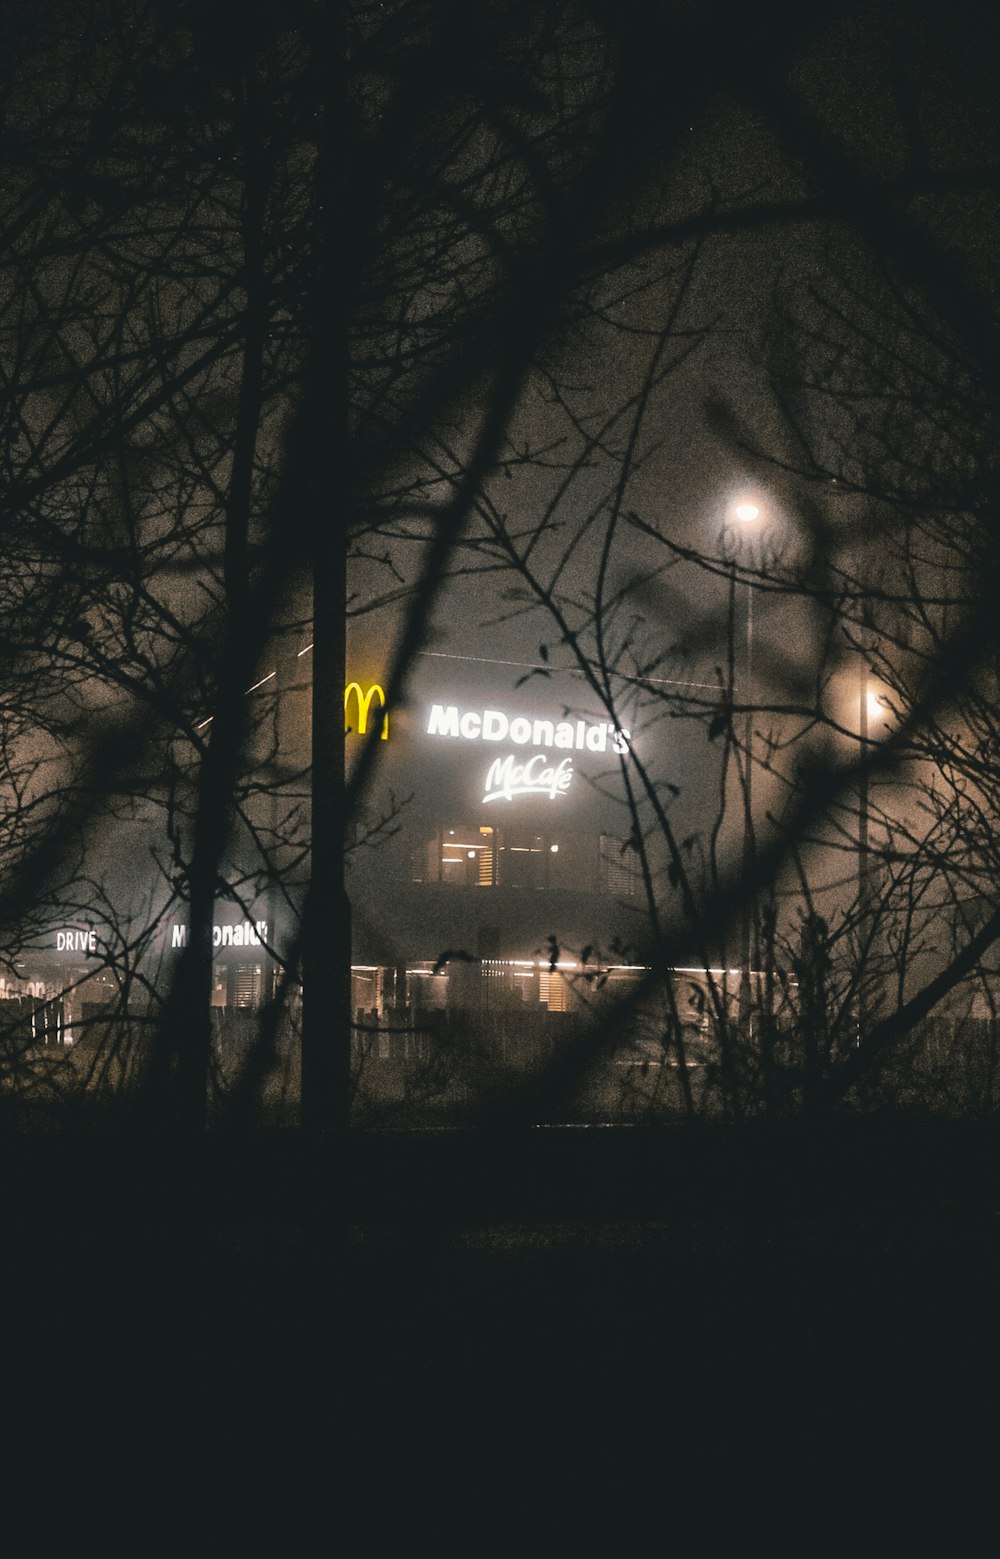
874	713
864	709
747	513
870	707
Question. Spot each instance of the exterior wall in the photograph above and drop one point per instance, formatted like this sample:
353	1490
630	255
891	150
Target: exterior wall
503	790
509	823
61	985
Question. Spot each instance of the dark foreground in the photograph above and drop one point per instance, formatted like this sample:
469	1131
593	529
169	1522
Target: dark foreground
717	1332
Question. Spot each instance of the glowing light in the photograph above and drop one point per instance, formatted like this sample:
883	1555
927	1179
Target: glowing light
747	512
507	779
364	705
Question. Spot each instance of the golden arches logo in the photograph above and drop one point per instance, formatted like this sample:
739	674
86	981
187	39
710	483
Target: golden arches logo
364	699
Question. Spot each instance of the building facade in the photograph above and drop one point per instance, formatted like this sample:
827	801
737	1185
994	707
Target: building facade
493	848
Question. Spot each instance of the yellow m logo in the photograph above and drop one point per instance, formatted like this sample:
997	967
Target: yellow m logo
364	704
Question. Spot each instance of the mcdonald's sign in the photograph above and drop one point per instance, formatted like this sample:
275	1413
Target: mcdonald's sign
364	700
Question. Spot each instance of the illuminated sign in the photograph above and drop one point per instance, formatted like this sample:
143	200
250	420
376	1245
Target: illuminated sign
246	933
364	699
538	777
493	725
18	990
81	939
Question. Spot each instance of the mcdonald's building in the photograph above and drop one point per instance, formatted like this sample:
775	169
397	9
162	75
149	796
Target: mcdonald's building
494	832
489	850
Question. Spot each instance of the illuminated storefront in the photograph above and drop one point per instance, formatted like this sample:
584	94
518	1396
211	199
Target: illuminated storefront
74	975
509	842
506	838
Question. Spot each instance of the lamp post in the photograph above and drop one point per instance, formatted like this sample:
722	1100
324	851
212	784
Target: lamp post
747	514
863	696
871	706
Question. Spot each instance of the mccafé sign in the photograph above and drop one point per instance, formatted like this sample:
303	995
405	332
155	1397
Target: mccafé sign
363	699
540	775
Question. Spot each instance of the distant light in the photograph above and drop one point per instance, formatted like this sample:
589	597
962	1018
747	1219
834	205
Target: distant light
554	848
746	511
876	707
472	855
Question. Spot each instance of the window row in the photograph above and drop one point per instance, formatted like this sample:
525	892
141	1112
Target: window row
508	856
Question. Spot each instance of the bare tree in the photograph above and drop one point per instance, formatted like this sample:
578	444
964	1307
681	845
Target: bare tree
190	262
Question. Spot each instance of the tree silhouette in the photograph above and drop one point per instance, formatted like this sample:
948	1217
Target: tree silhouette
284	288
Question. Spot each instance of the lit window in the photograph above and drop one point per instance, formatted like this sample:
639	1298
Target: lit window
620	872
523	859
463	856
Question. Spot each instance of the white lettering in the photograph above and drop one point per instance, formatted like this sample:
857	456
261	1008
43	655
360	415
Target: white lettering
443	722
78	940
507	778
247	933
493	725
